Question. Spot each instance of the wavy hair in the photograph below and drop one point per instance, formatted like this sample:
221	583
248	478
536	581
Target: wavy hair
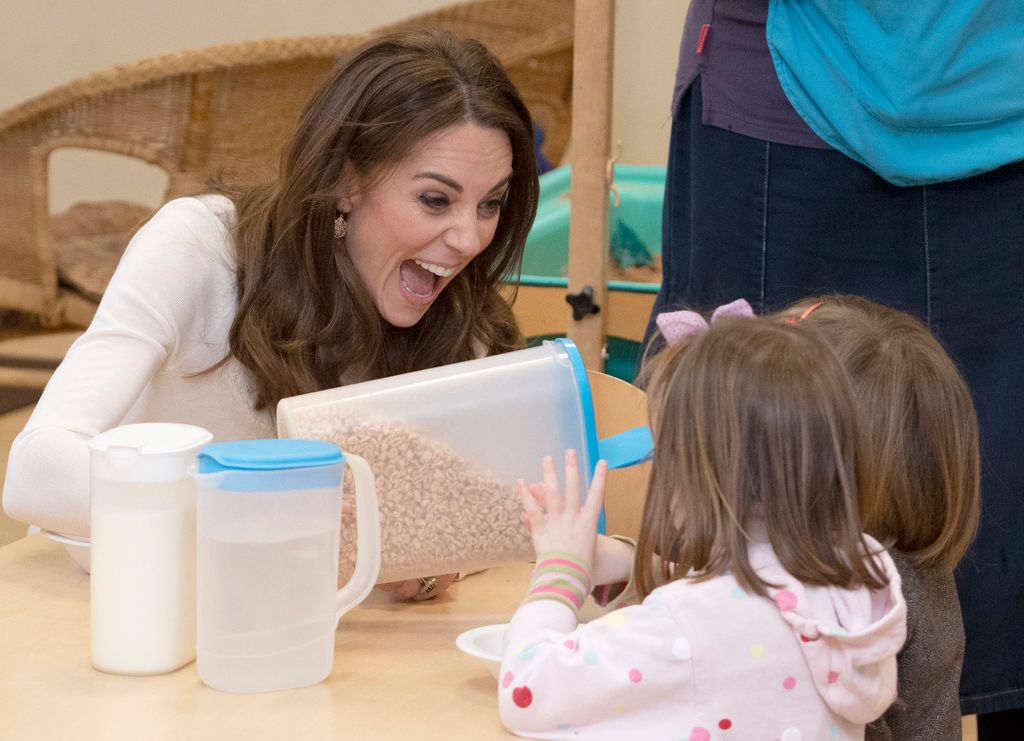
752	421
923	495
304	321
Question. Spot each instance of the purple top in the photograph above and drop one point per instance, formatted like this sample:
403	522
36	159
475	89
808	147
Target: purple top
724	42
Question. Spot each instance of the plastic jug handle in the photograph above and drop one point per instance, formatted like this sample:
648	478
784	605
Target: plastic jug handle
367	537
627	448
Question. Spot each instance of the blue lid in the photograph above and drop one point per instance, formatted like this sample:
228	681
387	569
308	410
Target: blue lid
579	374
267	455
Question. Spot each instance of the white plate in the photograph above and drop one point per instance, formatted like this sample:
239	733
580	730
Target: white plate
485	644
77	548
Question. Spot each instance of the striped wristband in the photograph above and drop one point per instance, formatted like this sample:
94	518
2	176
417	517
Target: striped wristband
559	576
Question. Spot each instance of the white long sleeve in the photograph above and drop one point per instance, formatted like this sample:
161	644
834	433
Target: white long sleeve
164	316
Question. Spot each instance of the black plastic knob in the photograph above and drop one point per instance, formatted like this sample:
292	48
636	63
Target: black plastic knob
582	303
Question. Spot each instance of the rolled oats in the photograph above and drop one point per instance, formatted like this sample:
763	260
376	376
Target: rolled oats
438	514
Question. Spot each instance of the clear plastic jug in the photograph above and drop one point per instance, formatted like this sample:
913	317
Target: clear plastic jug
448	444
143	562
268	536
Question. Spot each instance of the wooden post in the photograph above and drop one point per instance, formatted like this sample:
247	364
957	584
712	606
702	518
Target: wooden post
593	39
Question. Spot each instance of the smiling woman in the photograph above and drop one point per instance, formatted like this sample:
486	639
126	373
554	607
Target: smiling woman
409	236
404	199
417	148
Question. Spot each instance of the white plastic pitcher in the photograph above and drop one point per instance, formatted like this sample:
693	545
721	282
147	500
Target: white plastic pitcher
143	563
268	524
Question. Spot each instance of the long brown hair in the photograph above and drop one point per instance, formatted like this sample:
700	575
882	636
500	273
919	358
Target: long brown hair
923	494
304	319
752	420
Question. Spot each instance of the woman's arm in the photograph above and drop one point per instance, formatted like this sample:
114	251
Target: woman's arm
154	290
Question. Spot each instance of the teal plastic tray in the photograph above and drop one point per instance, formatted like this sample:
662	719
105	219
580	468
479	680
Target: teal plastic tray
637	218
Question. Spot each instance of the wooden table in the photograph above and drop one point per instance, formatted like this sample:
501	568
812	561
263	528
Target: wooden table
397	673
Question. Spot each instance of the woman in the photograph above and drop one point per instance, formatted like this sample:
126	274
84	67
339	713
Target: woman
403	199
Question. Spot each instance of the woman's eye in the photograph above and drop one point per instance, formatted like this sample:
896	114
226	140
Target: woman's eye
434	202
492	207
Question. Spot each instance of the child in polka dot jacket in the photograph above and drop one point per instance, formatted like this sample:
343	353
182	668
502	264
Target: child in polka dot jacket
766	613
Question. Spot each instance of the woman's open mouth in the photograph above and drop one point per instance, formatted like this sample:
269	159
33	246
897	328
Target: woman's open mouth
422	280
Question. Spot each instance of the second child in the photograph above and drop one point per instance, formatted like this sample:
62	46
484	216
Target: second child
923	439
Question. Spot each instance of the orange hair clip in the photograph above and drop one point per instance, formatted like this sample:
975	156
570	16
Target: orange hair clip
806	313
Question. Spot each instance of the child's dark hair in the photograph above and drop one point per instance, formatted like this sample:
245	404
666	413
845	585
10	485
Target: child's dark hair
752	419
923	493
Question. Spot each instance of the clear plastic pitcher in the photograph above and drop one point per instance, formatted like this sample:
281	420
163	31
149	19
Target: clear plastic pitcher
143	563
268	524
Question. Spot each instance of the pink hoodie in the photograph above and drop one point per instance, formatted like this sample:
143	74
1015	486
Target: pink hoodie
705	660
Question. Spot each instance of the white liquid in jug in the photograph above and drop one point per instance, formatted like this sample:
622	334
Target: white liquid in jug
142	585
266	612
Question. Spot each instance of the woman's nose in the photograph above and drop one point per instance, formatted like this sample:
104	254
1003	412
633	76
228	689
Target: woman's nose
468	235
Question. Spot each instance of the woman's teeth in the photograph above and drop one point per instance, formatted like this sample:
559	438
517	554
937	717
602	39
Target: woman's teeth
438	270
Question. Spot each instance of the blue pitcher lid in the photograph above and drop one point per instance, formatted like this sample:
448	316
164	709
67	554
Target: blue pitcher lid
267	455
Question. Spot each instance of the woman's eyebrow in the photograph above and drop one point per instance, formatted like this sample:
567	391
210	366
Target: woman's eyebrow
442	178
501	183
454	185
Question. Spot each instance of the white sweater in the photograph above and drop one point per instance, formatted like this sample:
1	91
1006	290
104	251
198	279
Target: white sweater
164	316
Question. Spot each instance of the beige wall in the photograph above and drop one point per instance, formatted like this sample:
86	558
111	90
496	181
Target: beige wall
50	42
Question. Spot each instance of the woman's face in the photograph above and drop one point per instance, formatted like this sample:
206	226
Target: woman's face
411	234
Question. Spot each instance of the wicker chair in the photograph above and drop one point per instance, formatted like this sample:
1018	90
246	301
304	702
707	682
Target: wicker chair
223	111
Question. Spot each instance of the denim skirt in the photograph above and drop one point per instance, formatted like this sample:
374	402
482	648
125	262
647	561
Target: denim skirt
772	223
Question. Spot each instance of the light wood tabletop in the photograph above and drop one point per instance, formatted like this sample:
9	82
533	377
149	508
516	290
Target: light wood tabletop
397	673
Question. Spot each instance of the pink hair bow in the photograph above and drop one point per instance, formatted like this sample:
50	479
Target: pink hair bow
676	325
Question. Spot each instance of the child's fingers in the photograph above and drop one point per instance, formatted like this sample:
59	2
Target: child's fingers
536	492
552	497
532	512
572	481
595	495
527	498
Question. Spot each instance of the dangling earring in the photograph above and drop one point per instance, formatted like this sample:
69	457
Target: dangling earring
340	226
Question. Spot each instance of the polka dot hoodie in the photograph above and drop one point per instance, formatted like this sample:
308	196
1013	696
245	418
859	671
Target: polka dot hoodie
702	660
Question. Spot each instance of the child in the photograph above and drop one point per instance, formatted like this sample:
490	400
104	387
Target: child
776	618
923	440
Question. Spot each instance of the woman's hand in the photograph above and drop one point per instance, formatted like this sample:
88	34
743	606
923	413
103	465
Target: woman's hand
418	590
560	523
613	561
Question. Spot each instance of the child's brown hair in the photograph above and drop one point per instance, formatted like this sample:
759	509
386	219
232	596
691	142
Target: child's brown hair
922	492
752	418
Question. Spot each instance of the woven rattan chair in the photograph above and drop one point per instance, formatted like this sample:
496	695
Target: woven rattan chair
223	111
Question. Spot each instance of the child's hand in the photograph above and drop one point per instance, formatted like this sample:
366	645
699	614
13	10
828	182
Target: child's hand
563	524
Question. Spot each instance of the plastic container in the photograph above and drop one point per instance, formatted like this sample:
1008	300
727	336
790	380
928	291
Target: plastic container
448	444
500	414
142	585
268	519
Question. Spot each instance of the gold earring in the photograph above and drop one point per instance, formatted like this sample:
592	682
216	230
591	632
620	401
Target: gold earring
340	226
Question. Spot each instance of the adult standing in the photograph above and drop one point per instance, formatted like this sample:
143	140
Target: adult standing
873	148
403	200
